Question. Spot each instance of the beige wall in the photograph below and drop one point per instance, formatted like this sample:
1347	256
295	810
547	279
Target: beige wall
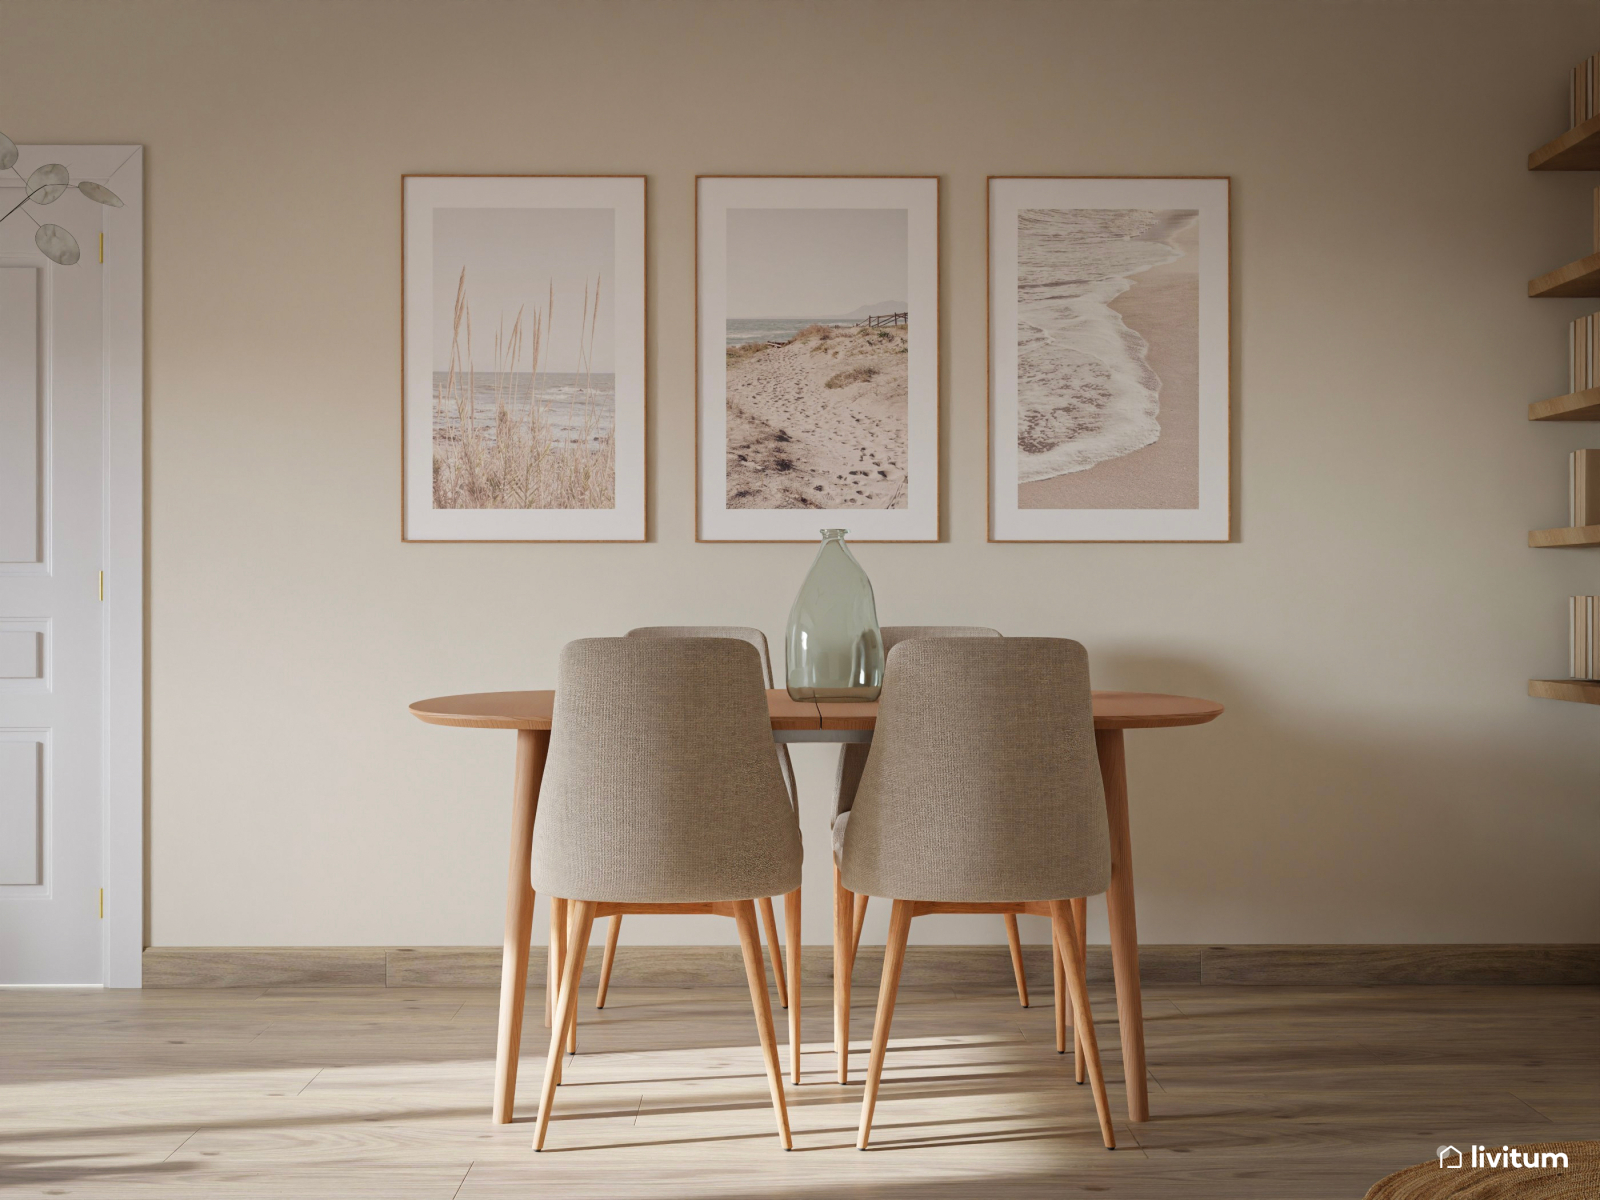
1380	775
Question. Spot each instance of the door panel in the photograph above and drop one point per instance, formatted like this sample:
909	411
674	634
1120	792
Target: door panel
52	669
22	802
20	404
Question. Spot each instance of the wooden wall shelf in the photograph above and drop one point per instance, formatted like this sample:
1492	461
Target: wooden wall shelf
1571	535
1581	278
1578	690
1574	406
1578	149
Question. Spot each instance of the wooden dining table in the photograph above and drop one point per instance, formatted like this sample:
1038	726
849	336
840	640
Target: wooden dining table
530	714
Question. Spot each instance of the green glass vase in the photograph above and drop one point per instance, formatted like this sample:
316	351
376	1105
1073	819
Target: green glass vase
834	647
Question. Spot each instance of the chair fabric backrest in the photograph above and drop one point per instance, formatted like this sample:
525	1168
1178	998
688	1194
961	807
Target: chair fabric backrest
661	785
983	783
744	633
853	759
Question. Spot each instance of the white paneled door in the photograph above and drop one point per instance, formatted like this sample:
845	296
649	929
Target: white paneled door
56	493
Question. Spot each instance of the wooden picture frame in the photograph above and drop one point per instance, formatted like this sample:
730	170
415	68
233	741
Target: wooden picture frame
523	359
1109	359
816	398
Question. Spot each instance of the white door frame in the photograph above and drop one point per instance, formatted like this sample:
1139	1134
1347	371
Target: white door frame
124	795
120	168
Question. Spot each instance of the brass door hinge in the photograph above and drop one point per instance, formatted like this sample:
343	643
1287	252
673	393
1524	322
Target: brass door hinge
102	247
102	904
102	586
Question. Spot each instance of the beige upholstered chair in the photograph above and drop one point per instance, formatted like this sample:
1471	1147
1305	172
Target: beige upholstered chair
848	920
982	794
791	904
662	794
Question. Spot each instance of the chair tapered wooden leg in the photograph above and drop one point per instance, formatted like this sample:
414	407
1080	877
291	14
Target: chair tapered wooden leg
791	935
566	1012
555	957
573	948
607	960
843	962
1060	973
1080	918
756	973
769	922
1015	938
858	919
894	957
1065	933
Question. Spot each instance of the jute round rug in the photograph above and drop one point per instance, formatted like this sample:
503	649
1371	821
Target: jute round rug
1579	1180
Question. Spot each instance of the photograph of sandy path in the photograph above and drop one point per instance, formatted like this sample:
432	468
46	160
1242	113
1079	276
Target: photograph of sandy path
1163	306
819	422
816	357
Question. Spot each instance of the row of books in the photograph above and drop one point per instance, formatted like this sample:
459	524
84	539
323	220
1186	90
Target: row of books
1583	353
1583	615
1583	487
1583	86
1583	365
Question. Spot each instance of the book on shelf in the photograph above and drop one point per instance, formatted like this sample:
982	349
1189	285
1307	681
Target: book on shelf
1583	655
1583	349
1583	487
1582	103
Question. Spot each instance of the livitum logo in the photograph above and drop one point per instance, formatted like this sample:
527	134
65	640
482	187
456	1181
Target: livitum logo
1452	1159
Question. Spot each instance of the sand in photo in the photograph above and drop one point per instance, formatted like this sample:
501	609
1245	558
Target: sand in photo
819	422
1163	307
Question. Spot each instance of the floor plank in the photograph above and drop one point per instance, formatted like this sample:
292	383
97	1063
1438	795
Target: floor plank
1256	1093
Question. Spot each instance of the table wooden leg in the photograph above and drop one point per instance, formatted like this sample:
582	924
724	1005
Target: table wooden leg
843	961
1058	969
1124	928
791	934
532	745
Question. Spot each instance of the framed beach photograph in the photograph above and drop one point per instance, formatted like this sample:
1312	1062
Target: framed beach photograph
1108	360
524	380
818	377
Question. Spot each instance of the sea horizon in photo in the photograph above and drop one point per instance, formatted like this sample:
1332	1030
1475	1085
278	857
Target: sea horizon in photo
742	331
574	407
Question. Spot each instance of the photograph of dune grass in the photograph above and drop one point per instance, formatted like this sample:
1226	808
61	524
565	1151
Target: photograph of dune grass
820	333
1101	374
522	330
523	406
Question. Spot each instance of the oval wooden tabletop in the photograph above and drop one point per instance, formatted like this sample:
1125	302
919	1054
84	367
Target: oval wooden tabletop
532	710
1151	710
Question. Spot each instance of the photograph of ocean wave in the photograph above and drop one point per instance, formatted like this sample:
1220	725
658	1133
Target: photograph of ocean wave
575	410
1108	358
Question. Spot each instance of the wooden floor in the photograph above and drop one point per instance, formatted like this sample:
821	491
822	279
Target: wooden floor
1254	1092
